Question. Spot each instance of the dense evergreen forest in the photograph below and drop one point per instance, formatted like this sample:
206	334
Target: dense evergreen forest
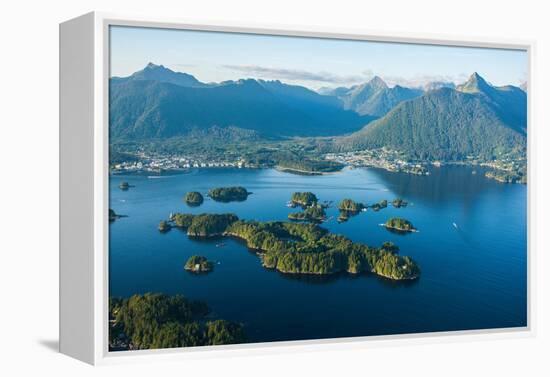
193	198
309	166
350	206
156	320
445	125
228	194
301	248
315	213
198	264
398	223
204	225
304	199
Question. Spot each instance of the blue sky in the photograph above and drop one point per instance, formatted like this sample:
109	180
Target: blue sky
314	63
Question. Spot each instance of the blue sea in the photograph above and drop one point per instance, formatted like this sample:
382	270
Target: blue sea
471	248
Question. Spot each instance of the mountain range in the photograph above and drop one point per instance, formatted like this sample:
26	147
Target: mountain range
441	121
374	97
153	72
159	103
475	119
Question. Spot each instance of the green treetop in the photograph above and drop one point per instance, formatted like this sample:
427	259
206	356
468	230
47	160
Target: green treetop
194	198
305	199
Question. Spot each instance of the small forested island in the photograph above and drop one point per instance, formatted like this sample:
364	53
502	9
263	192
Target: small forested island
193	198
155	320
315	213
400	224
378	206
304	199
124	186
164	226
349	205
198	264
398	203
229	194
302	248
349	208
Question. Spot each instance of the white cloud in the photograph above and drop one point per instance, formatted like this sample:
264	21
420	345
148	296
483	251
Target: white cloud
421	81
299	75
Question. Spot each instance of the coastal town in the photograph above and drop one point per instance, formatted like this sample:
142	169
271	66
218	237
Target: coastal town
504	170
379	158
383	158
156	163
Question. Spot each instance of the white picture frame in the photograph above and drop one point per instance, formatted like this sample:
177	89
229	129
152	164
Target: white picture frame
84	68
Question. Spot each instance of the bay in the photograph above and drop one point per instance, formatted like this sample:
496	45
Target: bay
471	248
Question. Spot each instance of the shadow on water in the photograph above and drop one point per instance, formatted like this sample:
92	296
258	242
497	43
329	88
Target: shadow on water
398	232
395	284
315	279
193	205
308	278
443	184
327	279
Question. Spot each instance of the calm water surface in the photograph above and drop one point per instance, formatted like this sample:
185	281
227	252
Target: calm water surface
473	275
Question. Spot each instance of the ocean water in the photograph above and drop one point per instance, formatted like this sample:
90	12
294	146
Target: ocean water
471	248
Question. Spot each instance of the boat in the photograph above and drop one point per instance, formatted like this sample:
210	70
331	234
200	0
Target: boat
456	226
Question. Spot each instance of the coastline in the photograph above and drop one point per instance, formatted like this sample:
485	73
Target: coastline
176	171
400	230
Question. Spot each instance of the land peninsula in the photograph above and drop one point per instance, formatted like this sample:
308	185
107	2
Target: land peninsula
301	248
309	167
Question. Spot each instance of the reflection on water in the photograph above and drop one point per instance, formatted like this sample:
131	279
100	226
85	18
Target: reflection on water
398	232
443	184
328	279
